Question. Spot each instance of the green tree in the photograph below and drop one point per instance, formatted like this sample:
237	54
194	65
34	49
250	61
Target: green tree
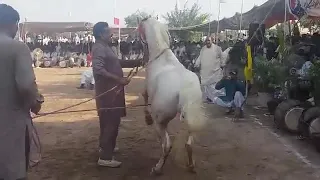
132	19
186	17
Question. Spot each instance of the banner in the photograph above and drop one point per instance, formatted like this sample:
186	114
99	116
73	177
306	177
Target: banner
301	8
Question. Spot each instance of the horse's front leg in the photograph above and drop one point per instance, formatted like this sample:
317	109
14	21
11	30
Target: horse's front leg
190	161
166	148
148	117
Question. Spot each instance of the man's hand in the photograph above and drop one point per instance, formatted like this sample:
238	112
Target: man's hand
124	81
36	108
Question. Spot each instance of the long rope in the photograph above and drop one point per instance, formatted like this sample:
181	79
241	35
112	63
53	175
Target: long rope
134	71
93	109
36	138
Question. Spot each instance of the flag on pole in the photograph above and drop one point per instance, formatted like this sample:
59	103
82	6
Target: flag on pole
116	21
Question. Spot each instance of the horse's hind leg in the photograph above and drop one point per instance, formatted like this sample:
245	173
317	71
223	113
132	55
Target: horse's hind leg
148	117
166	148
190	161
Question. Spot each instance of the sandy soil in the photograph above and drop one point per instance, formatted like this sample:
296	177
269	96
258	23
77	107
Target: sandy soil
224	151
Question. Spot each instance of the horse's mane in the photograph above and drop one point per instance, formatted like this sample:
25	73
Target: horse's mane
157	36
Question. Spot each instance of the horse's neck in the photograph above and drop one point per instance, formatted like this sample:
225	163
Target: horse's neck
166	61
163	57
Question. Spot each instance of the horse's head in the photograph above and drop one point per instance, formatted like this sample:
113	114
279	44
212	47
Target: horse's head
155	37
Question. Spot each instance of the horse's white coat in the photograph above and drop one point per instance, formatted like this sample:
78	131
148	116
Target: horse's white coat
171	87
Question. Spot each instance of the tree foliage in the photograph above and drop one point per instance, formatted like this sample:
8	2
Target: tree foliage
132	19
186	17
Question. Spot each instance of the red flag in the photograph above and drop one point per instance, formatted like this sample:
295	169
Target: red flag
116	21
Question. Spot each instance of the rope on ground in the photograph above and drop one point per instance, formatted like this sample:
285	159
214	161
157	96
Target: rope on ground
36	138
87	110
35	135
62	110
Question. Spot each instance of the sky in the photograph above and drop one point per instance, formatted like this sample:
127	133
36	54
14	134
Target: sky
104	10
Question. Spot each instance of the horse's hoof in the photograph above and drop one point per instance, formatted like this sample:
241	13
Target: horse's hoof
155	172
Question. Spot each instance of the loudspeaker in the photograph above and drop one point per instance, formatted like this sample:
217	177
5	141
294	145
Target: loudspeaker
256	34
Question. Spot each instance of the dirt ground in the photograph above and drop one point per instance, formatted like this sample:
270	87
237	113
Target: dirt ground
224	151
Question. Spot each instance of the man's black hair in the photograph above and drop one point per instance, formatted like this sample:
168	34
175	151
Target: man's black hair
98	29
8	15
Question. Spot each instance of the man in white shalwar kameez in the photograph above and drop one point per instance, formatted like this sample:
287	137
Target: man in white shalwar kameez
87	80
211	66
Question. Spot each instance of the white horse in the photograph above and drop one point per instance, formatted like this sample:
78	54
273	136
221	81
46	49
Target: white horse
170	89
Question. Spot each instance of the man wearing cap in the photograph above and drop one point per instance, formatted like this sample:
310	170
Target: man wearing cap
235	91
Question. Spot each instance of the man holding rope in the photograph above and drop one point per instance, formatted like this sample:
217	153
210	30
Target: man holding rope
108	74
18	95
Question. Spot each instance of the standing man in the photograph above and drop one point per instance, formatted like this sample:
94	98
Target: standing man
108	74
18	95
211	65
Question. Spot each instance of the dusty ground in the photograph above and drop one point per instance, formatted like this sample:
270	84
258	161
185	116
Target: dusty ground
225	151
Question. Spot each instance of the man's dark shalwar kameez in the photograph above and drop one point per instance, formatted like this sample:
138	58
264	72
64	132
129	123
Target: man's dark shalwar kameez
104	59
18	91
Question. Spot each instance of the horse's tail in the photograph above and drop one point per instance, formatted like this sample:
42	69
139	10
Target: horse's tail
193	109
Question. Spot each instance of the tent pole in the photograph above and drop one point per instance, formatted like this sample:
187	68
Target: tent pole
209	29
114	16
285	20
218	28
241	18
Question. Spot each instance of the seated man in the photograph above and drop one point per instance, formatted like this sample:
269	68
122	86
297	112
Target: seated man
234	98
87	80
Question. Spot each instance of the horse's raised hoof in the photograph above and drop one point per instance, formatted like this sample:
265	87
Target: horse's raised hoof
155	172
